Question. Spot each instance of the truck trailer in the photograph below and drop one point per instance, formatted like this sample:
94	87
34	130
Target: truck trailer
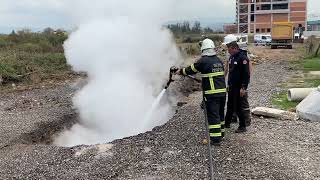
282	35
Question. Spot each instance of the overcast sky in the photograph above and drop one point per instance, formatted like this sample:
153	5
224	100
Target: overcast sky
38	14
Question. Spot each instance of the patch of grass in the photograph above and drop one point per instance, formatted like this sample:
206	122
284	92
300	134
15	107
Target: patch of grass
312	82
189	48
281	101
18	66
312	64
33	57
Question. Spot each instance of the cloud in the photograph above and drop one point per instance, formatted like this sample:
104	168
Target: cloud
56	13
32	14
35	13
205	8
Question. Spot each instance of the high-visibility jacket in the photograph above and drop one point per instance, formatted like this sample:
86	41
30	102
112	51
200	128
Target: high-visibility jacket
212	72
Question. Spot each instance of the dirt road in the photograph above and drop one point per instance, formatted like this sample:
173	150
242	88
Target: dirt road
271	149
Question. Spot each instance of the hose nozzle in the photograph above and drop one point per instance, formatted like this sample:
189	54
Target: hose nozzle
173	69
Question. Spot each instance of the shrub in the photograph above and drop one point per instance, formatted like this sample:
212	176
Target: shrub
21	65
8	72
29	47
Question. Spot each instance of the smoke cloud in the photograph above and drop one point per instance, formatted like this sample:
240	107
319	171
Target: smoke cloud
126	53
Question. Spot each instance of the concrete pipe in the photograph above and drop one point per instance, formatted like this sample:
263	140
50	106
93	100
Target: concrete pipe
298	94
309	108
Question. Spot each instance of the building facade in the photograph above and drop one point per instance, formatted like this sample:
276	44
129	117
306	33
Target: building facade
257	16
230	28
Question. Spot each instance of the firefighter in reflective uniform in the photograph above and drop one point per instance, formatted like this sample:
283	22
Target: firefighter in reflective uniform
238	81
214	88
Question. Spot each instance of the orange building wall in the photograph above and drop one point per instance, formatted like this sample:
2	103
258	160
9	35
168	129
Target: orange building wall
263	21
262	18
280	17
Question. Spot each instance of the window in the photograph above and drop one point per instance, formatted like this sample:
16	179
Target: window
268	30
263	30
258	8
252	7
280	6
266	7
257	30
252	18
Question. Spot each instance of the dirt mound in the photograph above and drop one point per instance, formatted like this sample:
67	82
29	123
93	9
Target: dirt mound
261	54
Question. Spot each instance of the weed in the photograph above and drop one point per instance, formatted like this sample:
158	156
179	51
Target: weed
282	102
312	64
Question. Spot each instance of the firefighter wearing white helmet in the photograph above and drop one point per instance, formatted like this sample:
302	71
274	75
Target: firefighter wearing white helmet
226	40
232	38
207	44
238	69
229	38
213	86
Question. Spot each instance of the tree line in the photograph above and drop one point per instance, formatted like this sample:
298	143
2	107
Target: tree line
48	40
186	27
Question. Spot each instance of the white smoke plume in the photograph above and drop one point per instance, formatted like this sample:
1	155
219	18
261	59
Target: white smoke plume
127	54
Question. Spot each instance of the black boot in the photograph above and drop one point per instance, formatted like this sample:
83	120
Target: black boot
248	122
215	143
227	125
241	130
234	118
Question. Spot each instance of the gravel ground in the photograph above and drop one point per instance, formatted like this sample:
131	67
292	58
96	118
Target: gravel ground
265	82
271	149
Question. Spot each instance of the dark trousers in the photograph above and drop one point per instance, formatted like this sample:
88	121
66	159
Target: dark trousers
238	105
215	115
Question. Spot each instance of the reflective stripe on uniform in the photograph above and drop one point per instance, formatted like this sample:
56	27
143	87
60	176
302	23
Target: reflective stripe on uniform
222	122
211	83
193	68
215	134
212	74
215	126
215	91
223	130
184	71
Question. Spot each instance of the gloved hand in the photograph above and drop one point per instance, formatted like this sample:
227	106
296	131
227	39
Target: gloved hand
242	92
175	70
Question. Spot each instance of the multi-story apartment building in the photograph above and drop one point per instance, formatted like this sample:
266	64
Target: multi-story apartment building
257	16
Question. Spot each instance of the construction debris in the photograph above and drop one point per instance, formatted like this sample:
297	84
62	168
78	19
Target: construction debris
274	113
298	94
309	108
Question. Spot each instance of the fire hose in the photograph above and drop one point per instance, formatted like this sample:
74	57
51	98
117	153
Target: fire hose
173	70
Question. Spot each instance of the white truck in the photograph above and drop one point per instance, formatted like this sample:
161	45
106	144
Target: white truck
262	39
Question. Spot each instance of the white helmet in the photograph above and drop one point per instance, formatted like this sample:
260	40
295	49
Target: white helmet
230	38
207	44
